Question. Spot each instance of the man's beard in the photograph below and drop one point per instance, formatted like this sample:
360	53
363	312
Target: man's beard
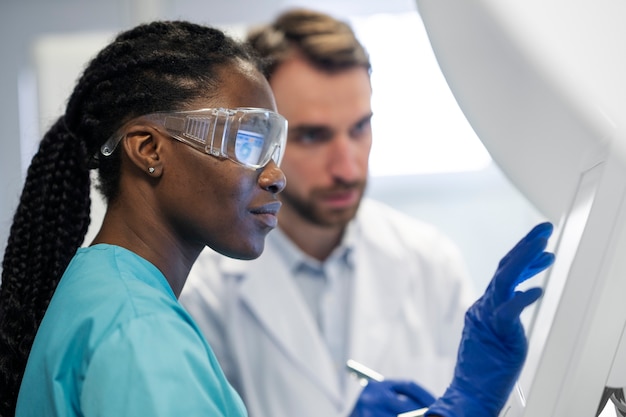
309	210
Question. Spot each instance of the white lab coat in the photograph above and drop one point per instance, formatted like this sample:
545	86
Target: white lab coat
411	291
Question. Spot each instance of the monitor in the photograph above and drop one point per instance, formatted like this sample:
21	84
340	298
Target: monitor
543	84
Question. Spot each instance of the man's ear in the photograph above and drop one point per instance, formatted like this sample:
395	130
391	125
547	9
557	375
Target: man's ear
142	144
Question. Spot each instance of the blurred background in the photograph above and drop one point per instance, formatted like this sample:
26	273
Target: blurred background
426	160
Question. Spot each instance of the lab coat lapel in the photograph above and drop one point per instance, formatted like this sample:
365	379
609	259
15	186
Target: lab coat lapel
296	333
379	286
377	301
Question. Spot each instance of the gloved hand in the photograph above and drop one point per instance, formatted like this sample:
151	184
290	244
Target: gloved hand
388	398
493	346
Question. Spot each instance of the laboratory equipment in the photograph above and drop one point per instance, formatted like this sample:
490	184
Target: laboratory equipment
543	84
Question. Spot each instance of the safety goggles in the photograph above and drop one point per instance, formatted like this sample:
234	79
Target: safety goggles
247	136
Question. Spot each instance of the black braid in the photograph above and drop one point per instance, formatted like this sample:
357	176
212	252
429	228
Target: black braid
153	67
49	224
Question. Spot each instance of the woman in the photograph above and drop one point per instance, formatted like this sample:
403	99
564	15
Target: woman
180	124
114	338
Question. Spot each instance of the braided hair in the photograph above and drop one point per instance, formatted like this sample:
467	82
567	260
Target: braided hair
153	67
327	43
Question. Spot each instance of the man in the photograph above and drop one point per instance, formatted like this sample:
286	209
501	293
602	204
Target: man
342	277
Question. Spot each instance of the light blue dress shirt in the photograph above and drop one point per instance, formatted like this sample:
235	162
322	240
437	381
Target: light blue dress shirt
116	342
327	289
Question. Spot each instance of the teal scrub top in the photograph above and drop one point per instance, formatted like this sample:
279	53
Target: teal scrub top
115	342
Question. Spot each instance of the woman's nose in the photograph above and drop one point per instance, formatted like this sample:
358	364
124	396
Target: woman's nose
272	178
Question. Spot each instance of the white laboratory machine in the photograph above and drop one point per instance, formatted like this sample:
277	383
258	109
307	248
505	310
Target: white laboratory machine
543	84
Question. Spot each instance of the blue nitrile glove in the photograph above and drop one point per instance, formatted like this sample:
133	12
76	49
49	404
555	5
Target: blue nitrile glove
493	347
388	398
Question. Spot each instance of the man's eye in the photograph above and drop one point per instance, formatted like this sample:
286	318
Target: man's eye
361	127
311	136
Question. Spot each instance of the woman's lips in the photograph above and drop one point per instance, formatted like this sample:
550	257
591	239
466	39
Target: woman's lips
268	213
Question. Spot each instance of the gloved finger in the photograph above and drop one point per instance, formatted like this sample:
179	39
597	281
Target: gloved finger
386	398
517	260
524	256
381	394
420	397
542	262
540	231
511	310
511	274
544	230
388	403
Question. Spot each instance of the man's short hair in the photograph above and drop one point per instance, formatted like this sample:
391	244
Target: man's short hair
327	43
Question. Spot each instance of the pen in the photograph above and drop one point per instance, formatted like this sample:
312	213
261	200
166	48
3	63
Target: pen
362	371
368	374
414	413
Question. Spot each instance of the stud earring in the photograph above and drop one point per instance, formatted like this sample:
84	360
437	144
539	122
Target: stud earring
151	170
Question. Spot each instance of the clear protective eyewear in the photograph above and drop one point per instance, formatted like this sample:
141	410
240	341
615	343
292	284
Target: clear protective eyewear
247	136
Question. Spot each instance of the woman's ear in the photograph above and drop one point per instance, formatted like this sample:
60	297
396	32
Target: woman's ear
142	144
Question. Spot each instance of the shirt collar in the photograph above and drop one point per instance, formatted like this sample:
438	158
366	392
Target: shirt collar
294	257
